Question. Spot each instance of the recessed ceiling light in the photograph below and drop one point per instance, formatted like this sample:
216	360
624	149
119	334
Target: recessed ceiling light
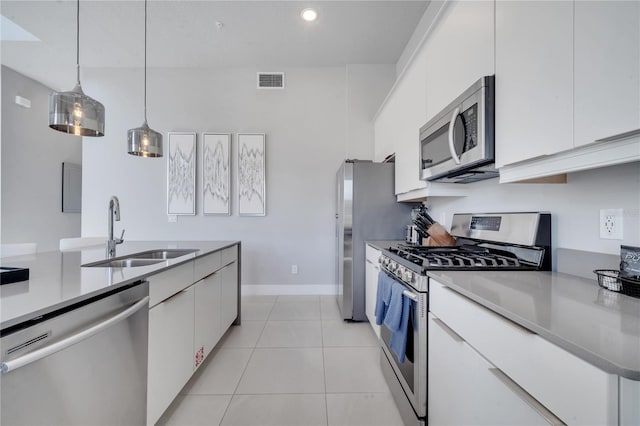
309	15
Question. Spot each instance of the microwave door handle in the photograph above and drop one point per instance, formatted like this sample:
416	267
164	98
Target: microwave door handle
452	125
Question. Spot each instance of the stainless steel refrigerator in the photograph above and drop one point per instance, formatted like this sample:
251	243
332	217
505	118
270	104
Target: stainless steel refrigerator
366	210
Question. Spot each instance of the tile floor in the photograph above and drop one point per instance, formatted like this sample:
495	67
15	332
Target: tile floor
293	361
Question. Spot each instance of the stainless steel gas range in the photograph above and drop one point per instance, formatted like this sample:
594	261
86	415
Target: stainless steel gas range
488	241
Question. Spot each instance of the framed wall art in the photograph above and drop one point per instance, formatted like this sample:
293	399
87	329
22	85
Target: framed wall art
251	174
216	173
181	173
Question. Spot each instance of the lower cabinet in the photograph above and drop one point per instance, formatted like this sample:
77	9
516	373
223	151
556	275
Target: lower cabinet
186	326
371	286
229	294
170	350
467	389
207	327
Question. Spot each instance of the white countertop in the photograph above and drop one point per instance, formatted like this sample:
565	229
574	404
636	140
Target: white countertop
57	279
595	324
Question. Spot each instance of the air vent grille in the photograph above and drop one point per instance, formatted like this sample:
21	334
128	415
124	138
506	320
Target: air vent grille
270	80
28	343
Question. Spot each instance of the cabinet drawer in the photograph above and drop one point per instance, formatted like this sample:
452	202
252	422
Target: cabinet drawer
206	265
229	255
553	376
372	254
168	283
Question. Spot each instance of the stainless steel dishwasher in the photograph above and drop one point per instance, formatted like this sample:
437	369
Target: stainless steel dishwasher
82	365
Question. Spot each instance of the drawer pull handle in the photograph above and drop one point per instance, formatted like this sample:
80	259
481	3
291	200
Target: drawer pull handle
455	336
526	398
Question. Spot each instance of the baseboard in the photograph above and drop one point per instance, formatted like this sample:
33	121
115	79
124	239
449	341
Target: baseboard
270	290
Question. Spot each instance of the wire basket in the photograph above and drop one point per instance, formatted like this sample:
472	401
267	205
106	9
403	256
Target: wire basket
611	280
608	278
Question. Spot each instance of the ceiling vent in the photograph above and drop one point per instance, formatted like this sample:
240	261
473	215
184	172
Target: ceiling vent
270	80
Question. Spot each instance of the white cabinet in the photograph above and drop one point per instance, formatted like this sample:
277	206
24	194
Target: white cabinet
459	51
607	69
468	390
534	79
554	377
186	321
372	269
396	128
567	75
229	294
207	324
170	351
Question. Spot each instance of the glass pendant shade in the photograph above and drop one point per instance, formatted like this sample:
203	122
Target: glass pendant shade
76	113
144	141
72	111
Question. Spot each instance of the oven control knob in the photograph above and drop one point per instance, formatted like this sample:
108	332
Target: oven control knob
400	271
408	276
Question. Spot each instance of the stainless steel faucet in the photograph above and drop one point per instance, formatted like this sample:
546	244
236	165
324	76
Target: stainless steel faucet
114	214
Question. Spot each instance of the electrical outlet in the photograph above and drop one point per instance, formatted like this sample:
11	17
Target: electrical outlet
294	269
172	218
611	224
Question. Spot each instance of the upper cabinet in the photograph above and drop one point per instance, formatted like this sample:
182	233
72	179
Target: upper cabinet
567	75
397	124
607	69
534	73
457	51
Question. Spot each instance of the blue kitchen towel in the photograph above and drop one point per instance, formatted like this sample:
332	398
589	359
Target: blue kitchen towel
393	317
398	343
383	296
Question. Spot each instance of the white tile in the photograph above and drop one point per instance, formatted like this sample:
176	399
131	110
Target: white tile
196	410
256	311
245	335
259	299
295	311
291	334
341	333
299	298
329	309
220	374
291	370
353	409
276	410
353	370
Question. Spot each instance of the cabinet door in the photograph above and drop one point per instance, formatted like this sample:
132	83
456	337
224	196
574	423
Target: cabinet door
607	69
228	296
207	317
460	50
371	282
170	351
534	79
470	390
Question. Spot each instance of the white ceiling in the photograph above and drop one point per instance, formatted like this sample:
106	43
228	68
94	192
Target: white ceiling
183	33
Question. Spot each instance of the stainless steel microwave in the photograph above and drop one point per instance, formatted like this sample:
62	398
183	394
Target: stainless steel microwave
457	145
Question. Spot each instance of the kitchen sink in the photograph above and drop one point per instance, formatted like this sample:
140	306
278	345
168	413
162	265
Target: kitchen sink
144	258
162	254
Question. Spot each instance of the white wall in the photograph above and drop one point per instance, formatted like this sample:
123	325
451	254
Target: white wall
575	206
32	157
306	127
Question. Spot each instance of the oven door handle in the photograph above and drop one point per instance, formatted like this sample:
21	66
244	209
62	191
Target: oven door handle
452	125
410	295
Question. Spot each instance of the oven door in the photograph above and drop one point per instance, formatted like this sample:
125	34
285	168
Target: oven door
412	373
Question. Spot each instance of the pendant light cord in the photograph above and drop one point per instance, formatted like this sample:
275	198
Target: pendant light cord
78	41
145	60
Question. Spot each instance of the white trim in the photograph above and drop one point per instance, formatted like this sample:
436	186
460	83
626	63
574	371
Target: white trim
294	289
434	189
583	158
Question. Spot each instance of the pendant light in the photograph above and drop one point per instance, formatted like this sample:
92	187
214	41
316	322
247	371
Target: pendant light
73	111
144	141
